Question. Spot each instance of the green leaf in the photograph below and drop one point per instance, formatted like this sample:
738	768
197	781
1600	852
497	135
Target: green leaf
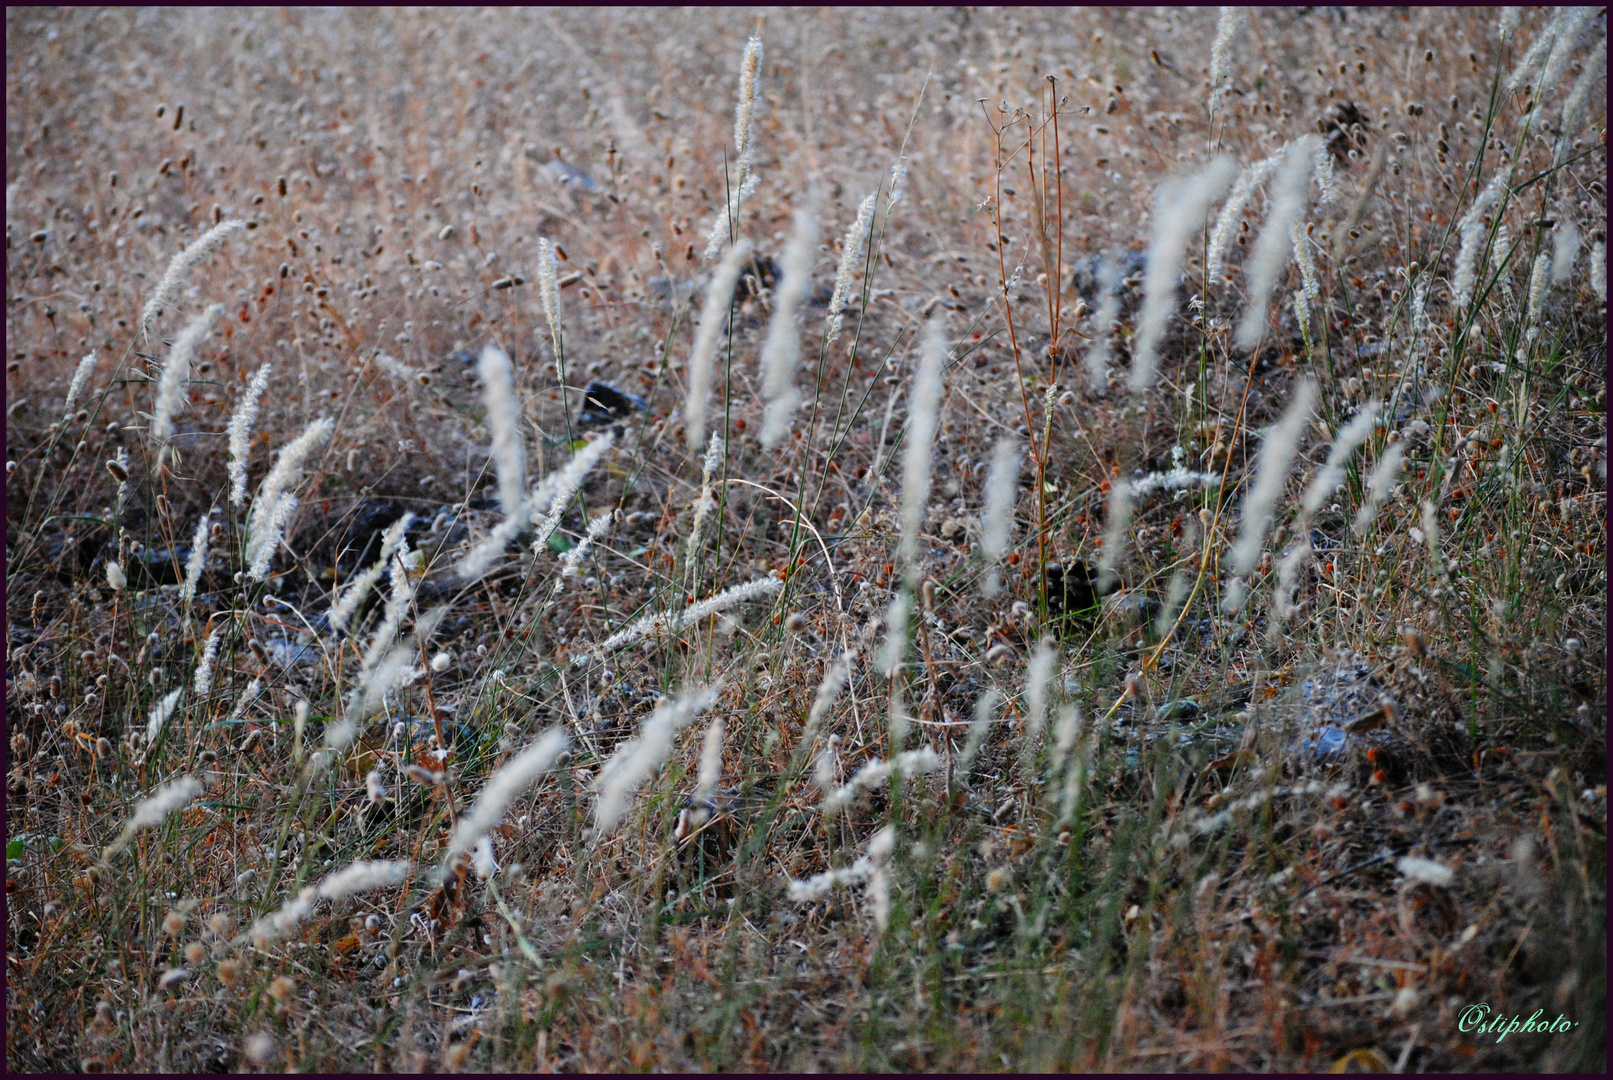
14	848
559	543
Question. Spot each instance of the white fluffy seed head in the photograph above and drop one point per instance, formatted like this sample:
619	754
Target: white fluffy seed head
1574	107
702	357
710	772
204	670
153	811
1271	476
1539	282
641	756
1231	212
1564	250
1332	473
502	789
1179	208
80	376
919	451
240	431
160	714
750	67
348	603
1275	241
1104	321
781	351
850	250
270	503
1114	530
197	562
179	269
549	295
895	647
363	877
571	560
504	420
1002	487
1379	484
1599	270
1226	32
1425	871
175	373
1037	676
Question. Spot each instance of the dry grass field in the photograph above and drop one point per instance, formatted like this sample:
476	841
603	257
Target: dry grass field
1087	549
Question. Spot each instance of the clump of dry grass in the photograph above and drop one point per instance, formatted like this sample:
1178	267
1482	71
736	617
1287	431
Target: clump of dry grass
1072	810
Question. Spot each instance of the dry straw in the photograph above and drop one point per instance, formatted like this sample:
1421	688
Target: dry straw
713	316
179	269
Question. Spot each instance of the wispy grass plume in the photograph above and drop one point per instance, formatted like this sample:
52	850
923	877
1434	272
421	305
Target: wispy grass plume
155	809
197	561
1271	476
1275	241
1002	487
850	251
80	376
640	756
919	452
176	372
274	503
502	789
179	269
781	350
503	419
713	316
240	431
1179	208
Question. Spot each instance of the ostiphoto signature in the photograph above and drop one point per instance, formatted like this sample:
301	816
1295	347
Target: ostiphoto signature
1481	1019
